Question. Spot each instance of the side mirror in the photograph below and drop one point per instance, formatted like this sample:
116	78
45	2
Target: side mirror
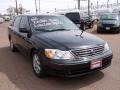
11	24
23	30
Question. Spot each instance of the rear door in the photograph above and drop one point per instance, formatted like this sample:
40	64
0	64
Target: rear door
14	30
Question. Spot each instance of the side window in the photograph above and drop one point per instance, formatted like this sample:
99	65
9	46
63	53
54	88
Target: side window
17	22
24	23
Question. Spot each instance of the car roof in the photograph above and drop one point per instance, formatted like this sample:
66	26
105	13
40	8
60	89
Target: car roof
65	12
109	14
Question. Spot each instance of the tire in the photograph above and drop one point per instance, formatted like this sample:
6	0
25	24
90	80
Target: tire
37	66
118	31
83	27
90	26
12	46
98	31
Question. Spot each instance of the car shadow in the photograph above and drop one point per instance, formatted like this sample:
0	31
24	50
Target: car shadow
17	70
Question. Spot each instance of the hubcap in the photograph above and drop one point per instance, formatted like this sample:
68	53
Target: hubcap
84	27
36	64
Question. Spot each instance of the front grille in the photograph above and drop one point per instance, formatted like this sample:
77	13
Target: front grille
88	52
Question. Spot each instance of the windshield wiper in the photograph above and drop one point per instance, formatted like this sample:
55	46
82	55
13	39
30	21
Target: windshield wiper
60	30
43	30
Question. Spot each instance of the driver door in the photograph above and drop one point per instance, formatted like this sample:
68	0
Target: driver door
24	43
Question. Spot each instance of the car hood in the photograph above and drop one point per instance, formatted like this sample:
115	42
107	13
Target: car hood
68	39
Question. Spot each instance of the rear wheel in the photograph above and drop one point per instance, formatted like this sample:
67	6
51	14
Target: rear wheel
90	26
37	66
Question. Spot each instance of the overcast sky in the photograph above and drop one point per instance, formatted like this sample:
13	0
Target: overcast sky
46	5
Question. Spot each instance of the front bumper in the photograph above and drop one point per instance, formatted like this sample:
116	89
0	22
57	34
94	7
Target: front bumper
111	28
76	69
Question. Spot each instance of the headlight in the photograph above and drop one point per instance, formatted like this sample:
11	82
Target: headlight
57	54
117	24
106	47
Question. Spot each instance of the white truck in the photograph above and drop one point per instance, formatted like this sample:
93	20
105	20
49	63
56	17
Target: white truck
7	18
1	20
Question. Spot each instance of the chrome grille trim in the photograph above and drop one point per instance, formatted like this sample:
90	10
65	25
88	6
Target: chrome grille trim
90	51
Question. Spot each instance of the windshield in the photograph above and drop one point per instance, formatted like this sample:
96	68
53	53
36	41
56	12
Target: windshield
109	17
51	23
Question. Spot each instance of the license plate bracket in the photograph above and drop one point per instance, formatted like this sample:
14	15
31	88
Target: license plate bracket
107	28
95	64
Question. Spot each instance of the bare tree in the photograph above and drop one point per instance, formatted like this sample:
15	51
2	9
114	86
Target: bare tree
21	10
11	10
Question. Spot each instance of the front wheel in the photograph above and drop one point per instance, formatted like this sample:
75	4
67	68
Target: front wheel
98	31
118	31
37	66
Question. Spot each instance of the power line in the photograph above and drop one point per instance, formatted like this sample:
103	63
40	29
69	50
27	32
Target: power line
79	4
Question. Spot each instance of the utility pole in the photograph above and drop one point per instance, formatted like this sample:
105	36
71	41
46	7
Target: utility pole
79	4
117	2
16	6
97	5
20	9
107	3
36	6
91	5
39	6
88	7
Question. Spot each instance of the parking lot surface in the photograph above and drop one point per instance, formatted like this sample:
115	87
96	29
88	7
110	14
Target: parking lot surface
16	70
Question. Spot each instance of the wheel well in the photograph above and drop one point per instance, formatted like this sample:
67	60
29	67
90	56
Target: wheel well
9	37
31	51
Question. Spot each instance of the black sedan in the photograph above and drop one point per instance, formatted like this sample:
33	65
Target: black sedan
87	21
57	46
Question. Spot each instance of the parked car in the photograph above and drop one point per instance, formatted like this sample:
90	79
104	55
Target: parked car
109	22
7	18
1	20
57	46
75	17
88	21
